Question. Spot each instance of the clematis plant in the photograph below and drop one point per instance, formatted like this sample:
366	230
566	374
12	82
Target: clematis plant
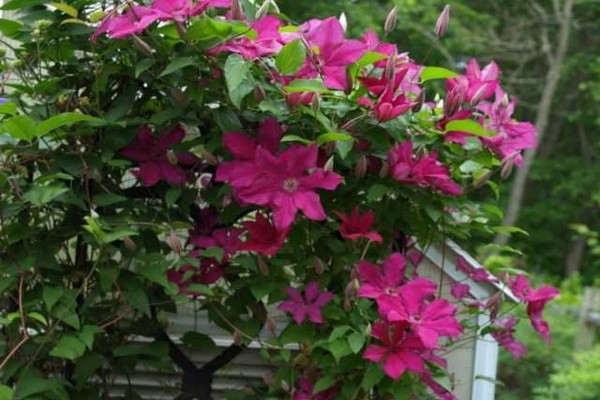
283	180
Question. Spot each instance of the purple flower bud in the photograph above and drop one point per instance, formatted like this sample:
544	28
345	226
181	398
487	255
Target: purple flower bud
319	266
237	12
453	101
391	20
174	243
263	10
506	167
360	169
442	22
419	101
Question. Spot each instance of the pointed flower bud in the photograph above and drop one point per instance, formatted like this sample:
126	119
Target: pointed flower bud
453	101
143	46
237	337
506	167
385	170
262	266
174	243
259	93
329	164
442	22
237	12
172	157
319	266
129	244
343	21
391	21
360	169
263	10
419	101
390	66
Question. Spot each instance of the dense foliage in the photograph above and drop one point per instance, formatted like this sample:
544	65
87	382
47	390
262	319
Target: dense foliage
214	152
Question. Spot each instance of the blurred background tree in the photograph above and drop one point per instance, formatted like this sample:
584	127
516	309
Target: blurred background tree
546	52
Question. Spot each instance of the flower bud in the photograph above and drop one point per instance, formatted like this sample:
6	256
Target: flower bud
360	169
354	273
355	284
453	101
209	157
329	164
263	10
285	386
385	170
179	96
442	22
174	243
142	46
129	244
478	95
316	102
390	67
506	167
237	337
347	305
226	200
275	7
263	268
237	12
482	180
343	21
391	20
329	148
259	93
419	101
180	29
350	291
172	157
271	326
319	266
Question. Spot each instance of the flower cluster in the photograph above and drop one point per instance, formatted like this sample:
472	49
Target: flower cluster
333	130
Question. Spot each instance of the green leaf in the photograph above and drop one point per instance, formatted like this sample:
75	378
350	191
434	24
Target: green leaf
370	57
38	317
306	85
41	195
198	341
297	333
6	393
323	384
86	366
20	127
338	332
210	29
376	192
87	335
144	66
291	57
171	196
469	126
469	166
61	120
344	147
333	137
431	73
8	27
213	252
262	288
339	349
65	8
66	315
372	377
356	340
510	230
68	347
295	138
51	295
238	79
8	108
177	64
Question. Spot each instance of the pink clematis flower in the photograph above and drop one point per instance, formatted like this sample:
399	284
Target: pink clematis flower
226	239
428	319
504	335
243	148
477	274
478	84
283	183
133	21
331	53
268	41
424	171
536	301
460	290
152	155
307	306
513	137
378	283
305	387
182	10
355	226
399	352
264	238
